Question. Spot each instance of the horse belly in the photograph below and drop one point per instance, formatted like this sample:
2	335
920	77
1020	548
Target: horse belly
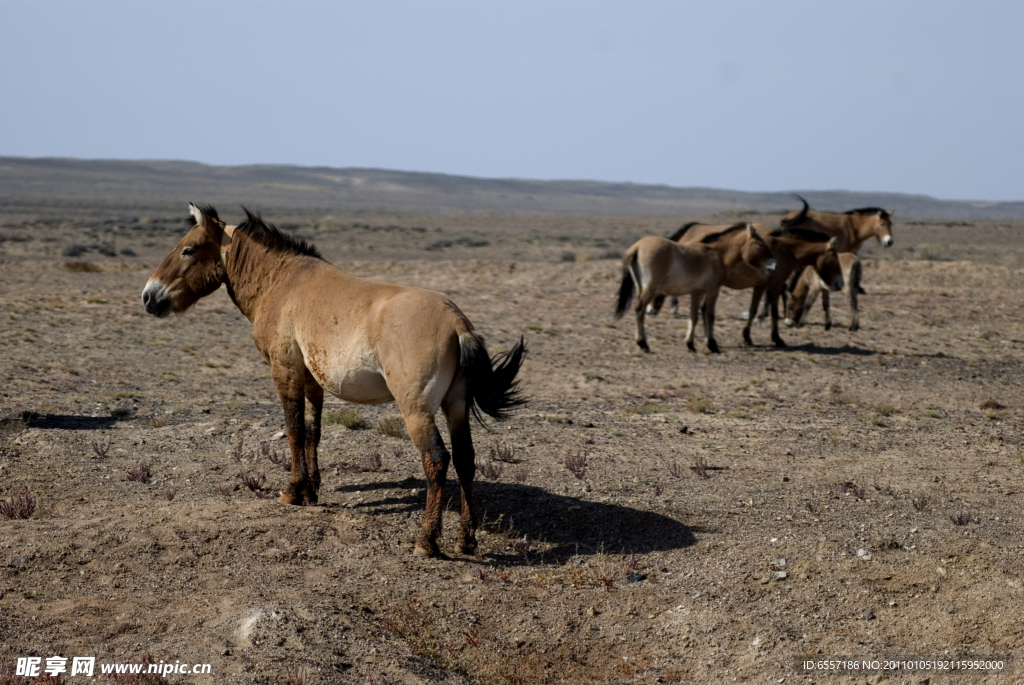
360	385
352	377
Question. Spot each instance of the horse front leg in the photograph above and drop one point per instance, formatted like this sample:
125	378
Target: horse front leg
773	299
854	309
826	305
755	300
290	384
709	319
691	326
315	397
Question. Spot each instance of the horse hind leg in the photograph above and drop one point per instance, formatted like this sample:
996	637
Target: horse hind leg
428	442
464	460
641	311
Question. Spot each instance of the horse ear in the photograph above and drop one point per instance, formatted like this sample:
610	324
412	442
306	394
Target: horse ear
888	215
832	243
204	220
197	214
750	230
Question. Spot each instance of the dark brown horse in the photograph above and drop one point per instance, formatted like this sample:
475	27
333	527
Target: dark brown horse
360	340
850	229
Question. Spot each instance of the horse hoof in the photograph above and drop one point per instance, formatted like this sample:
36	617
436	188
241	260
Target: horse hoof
290	498
467	547
713	348
422	550
291	495
779	342
643	345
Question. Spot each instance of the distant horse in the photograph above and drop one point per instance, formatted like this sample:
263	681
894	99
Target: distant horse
734	244
656	266
850	229
360	340
807	288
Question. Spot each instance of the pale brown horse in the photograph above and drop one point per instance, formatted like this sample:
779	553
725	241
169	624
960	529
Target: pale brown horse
810	285
363	341
850	229
740	249
656	266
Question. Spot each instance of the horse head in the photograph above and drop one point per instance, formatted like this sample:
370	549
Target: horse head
193	270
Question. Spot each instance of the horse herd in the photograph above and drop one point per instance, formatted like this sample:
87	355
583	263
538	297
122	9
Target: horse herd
369	342
807	254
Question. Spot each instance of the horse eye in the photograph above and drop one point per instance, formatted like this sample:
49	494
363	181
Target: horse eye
187	252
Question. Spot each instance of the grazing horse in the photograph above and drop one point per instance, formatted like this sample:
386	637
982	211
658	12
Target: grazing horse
794	249
363	341
850	229
806	290
658	266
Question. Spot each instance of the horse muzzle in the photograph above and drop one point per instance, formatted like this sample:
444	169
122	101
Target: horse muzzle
156	299
837	284
769	266
887	241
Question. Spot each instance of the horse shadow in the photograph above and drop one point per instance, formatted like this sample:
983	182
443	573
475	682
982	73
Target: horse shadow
71	422
570	526
813	348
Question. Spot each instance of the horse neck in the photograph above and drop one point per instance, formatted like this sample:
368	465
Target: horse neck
251	270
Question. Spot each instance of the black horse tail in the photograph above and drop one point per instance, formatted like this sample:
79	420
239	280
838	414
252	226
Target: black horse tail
629	279
681	231
491	385
799	218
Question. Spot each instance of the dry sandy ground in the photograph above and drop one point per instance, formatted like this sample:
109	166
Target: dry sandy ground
861	497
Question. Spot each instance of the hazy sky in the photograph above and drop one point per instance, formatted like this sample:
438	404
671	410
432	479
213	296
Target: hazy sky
918	97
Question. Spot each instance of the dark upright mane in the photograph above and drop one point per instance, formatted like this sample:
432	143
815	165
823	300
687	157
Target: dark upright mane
270	237
805	234
867	210
799	218
712	237
681	231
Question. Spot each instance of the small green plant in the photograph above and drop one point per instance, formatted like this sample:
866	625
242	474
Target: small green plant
885	409
349	418
932	412
392	427
700	405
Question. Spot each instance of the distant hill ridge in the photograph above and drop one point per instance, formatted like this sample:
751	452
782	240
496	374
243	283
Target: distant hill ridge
116	185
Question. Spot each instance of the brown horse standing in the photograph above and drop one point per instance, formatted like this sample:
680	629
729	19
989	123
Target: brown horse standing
360	340
794	249
850	229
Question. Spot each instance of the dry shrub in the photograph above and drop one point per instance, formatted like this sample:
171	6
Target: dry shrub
392	427
18	507
141	473
349	418
81	267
